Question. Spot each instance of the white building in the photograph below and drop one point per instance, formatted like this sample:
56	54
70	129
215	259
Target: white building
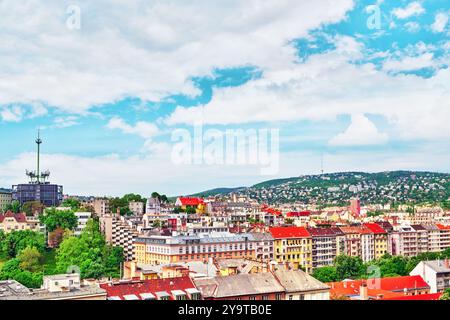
83	218
136	207
436	274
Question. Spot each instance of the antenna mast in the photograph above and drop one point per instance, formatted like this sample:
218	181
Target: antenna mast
38	142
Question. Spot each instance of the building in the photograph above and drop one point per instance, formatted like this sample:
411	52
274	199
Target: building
254	286
162	249
293	245
355	207
436	274
38	189
123	234
359	242
379	288
264	245
10	222
136	207
57	287
403	242
380	239
101	207
5	199
299	285
444	236
191	202
179	288
83	218
153	206
327	243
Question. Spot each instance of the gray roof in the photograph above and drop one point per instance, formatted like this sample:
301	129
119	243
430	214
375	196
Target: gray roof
260	236
299	281
438	266
239	285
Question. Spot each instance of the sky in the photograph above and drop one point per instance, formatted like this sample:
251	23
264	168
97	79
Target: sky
341	85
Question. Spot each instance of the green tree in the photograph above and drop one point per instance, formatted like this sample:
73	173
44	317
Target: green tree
32	207
17	241
445	295
11	271
325	274
348	267
72	203
54	219
30	259
14	207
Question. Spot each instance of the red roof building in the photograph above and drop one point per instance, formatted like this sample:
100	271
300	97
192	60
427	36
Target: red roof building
189	201
375	228
298	214
381	288
289	232
19	217
181	288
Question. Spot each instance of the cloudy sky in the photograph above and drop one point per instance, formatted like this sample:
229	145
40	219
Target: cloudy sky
362	84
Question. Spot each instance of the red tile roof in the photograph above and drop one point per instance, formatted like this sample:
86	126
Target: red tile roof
187	201
19	217
147	286
298	214
442	227
386	287
289	232
375	228
423	297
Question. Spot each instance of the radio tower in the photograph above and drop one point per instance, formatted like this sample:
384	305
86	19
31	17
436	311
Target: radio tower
321	164
38	142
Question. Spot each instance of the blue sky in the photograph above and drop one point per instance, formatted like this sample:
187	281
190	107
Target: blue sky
109	94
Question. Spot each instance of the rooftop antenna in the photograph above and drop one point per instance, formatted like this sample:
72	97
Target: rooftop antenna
321	164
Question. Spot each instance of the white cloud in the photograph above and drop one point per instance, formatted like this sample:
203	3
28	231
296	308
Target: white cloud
143	49
410	63
143	129
440	22
412	27
412	9
361	132
326	86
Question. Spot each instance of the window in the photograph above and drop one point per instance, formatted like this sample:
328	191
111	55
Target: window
252	298
278	296
291	297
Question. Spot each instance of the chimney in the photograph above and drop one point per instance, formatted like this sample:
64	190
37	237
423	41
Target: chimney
363	292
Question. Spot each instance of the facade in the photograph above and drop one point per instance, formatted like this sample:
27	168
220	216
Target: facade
153	206
380	239
83	218
50	195
293	245
10	222
101	207
436	274
264	245
162	249
355	207
327	243
5	199
123	234
136	207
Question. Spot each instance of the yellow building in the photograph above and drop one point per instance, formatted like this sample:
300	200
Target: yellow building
380	239
293	245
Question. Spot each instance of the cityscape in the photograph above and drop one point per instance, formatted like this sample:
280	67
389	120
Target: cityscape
225	156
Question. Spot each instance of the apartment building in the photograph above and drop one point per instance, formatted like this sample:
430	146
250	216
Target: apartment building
155	250
264	245
83	218
136	207
101	207
359	242
436	273
123	234
293	245
403	242
434	237
5	199
327	243
380	239
444	236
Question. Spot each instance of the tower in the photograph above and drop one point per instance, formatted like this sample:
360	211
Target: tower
38	142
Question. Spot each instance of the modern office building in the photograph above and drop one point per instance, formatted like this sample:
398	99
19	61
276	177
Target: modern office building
5	199
38	188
